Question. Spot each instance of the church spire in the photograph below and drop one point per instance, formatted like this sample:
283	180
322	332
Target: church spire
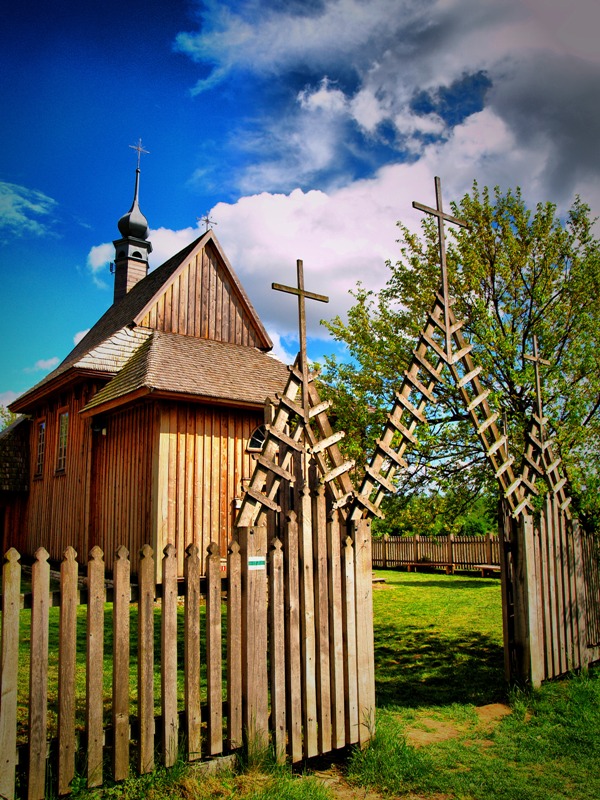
132	251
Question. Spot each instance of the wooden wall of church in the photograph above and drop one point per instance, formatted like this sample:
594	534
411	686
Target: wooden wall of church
202	461
58	498
202	302
120	505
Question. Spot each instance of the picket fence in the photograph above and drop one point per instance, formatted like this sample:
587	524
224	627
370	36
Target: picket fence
243	671
451	552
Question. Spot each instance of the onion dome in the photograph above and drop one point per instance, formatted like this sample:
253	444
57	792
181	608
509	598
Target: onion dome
134	224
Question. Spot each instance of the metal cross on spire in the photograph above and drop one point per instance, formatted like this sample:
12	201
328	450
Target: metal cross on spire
537	360
441	216
206	220
302	294
140	150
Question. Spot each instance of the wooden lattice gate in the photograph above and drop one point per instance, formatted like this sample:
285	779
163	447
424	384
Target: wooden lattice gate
305	576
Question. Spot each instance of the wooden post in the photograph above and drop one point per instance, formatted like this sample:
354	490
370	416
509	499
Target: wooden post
234	647
170	720
94	706
450	553
292	638
213	650
192	653
385	540
66	671
120	710
319	526
9	663
581	598
336	634
146	578
277	648
38	675
349	619
488	549
255	712
416	552
507	588
307	622
364	630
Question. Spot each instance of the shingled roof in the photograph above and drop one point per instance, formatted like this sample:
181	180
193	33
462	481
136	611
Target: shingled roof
169	363
110	343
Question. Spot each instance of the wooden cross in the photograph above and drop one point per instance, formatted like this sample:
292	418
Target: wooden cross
302	294
537	360
441	216
140	150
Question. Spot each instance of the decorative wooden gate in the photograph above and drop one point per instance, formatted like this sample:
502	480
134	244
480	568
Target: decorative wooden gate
550	575
306	570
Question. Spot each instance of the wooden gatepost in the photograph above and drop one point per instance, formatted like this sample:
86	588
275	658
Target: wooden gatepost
549	568
304	583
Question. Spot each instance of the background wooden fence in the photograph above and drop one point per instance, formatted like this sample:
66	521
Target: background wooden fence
451	552
253	668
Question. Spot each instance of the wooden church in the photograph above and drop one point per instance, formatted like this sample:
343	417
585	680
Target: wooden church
147	431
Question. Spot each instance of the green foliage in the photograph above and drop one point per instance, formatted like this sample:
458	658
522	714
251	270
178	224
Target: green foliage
6	417
514	273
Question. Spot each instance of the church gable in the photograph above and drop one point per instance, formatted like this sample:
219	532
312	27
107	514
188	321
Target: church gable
204	299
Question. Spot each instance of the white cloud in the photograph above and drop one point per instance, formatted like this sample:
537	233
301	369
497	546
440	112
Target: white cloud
80	335
6	398
43	365
280	349
25	212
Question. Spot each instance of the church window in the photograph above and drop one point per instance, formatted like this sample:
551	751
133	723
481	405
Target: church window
257	439
41	447
63	434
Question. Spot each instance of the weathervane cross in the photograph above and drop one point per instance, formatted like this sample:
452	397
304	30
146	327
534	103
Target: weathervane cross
206	220
438	212
140	150
302	295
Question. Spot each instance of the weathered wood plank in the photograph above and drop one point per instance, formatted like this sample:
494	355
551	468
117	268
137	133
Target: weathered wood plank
319	525
253	547
364	630
349	620
192	653
336	636
307	623
234	647
94	661
66	670
292	639
38	675
9	663
277	648
213	650
168	644
146	580
120	689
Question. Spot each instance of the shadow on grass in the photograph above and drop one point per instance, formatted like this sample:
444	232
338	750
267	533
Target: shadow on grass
416	667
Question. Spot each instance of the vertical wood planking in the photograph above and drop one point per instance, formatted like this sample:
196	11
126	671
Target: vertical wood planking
277	648
9	663
560	588
319	524
307	623
576	658
146	579
336	637
292	638
349	617
66	670
38	675
234	647
553	563
364	630
546	597
581	595
120	709
255	710
170	720
213	650
94	661
192	653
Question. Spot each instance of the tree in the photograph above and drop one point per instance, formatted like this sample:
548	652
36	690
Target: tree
6	417
514	273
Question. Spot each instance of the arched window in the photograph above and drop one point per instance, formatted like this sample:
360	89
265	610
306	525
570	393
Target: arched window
257	439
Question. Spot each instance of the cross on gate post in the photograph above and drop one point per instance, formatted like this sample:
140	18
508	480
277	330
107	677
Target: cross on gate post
441	216
537	360
302	294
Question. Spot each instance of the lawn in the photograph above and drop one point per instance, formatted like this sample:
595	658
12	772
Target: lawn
444	726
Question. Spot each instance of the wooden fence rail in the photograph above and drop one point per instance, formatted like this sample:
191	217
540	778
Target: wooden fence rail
451	552
210	684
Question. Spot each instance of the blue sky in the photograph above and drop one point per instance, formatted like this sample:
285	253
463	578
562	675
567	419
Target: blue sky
306	128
